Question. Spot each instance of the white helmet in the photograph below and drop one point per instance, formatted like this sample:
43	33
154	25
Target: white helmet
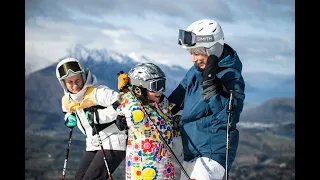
203	33
69	67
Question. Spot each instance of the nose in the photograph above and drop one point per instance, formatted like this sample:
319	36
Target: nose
76	85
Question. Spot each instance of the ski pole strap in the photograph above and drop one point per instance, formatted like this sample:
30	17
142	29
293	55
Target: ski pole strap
99	127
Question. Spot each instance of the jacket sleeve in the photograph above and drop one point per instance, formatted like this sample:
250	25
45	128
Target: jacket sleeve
130	109
105	96
233	80
65	110
107	115
178	94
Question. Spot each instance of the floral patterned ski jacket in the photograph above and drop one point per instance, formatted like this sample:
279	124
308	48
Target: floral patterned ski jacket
147	157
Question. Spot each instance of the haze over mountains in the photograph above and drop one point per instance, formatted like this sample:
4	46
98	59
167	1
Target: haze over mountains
43	92
260	86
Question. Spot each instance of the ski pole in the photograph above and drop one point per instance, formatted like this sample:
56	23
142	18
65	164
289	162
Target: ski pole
229	111
67	155
102	149
160	135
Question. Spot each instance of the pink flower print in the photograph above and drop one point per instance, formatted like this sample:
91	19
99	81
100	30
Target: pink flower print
136	146
136	158
147	145
168	170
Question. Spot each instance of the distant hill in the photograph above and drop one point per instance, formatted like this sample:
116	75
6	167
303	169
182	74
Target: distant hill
274	111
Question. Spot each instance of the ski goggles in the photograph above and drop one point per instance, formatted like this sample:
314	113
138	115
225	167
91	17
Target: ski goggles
154	85
188	38
64	69
157	85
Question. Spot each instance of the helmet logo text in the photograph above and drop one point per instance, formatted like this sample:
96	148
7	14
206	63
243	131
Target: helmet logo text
204	38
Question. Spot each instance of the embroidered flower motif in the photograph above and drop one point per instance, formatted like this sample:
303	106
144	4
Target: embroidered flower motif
161	123
136	115
147	145
136	172
136	146
146	127
149	173
153	116
123	105
136	158
168	170
155	135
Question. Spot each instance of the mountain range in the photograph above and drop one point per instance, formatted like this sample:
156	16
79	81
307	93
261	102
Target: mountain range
43	92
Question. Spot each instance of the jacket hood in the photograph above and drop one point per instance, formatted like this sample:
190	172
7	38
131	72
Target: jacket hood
230	59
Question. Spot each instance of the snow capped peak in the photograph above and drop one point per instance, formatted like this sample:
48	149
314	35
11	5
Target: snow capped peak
137	58
81	52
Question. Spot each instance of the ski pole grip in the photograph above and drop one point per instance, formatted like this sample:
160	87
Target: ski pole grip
231	101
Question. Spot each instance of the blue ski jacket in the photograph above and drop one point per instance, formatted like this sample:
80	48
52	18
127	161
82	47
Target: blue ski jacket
203	125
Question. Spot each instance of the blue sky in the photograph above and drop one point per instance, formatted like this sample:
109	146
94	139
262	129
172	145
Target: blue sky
261	31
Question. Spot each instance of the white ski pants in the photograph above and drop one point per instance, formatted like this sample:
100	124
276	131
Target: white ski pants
203	168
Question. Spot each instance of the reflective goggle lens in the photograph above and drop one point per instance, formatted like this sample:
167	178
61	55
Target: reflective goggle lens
69	66
158	85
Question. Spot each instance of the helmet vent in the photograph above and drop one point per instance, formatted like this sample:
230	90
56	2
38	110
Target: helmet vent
210	23
201	29
214	30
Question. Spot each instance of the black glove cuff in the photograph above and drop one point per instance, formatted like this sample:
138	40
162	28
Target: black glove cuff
121	123
116	104
210	82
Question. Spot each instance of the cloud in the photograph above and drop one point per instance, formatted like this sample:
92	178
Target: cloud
220	9
262	32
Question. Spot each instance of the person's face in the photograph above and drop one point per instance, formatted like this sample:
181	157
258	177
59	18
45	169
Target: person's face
154	96
199	59
74	83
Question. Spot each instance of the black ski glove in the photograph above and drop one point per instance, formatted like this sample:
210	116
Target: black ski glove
121	123
210	82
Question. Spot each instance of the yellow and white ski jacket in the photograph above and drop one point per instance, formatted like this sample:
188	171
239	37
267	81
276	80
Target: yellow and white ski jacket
90	95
